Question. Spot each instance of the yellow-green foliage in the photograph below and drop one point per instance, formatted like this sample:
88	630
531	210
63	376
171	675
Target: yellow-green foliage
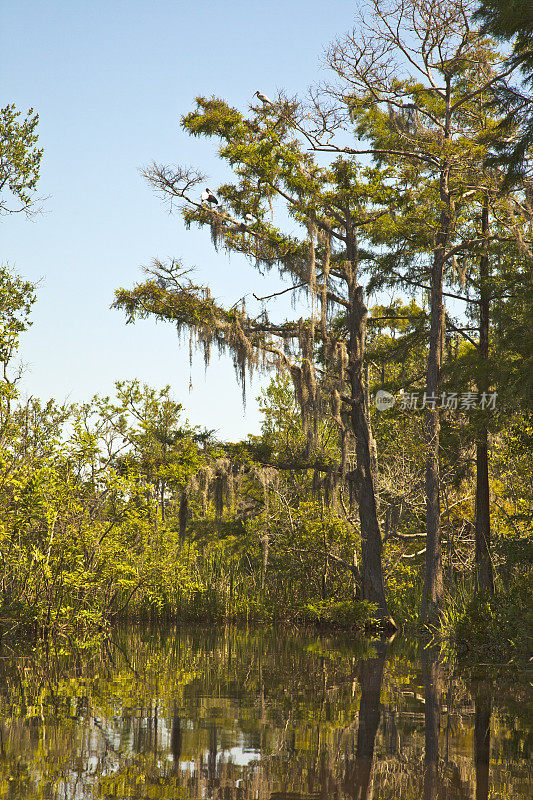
81	535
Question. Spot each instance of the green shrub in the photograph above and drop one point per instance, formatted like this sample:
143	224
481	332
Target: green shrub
490	629
404	586
341	614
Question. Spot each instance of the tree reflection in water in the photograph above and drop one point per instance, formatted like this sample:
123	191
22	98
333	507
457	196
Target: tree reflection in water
483	711
358	781
235	715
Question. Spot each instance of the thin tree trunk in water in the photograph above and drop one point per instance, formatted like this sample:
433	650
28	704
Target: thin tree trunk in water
433	591
324	582
483	710
432	709
183	516
265	541
373	444
355	585
483	561
433	582
358	779
176	738
212	758
372	586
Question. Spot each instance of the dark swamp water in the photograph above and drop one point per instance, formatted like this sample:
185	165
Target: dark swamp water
265	714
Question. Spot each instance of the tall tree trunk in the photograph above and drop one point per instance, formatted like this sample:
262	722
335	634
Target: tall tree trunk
483	561
265	544
433	581
433	591
183	515
373	443
372	585
325	569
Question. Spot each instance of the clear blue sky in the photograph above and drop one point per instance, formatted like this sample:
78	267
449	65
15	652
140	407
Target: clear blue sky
110	80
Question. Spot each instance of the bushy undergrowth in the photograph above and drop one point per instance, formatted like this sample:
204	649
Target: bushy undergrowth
347	614
477	629
93	530
404	586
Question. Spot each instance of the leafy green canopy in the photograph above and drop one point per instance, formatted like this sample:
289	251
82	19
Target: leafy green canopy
512	21
16	299
20	160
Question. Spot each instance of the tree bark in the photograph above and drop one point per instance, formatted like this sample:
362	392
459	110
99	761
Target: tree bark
373	445
372	585
433	581
183	516
162	500
483	560
433	591
265	545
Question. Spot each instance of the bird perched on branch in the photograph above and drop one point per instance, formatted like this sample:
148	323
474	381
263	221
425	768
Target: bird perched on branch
264	99
248	219
209	197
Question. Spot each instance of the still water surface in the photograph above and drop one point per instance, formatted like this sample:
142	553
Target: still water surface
270	715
